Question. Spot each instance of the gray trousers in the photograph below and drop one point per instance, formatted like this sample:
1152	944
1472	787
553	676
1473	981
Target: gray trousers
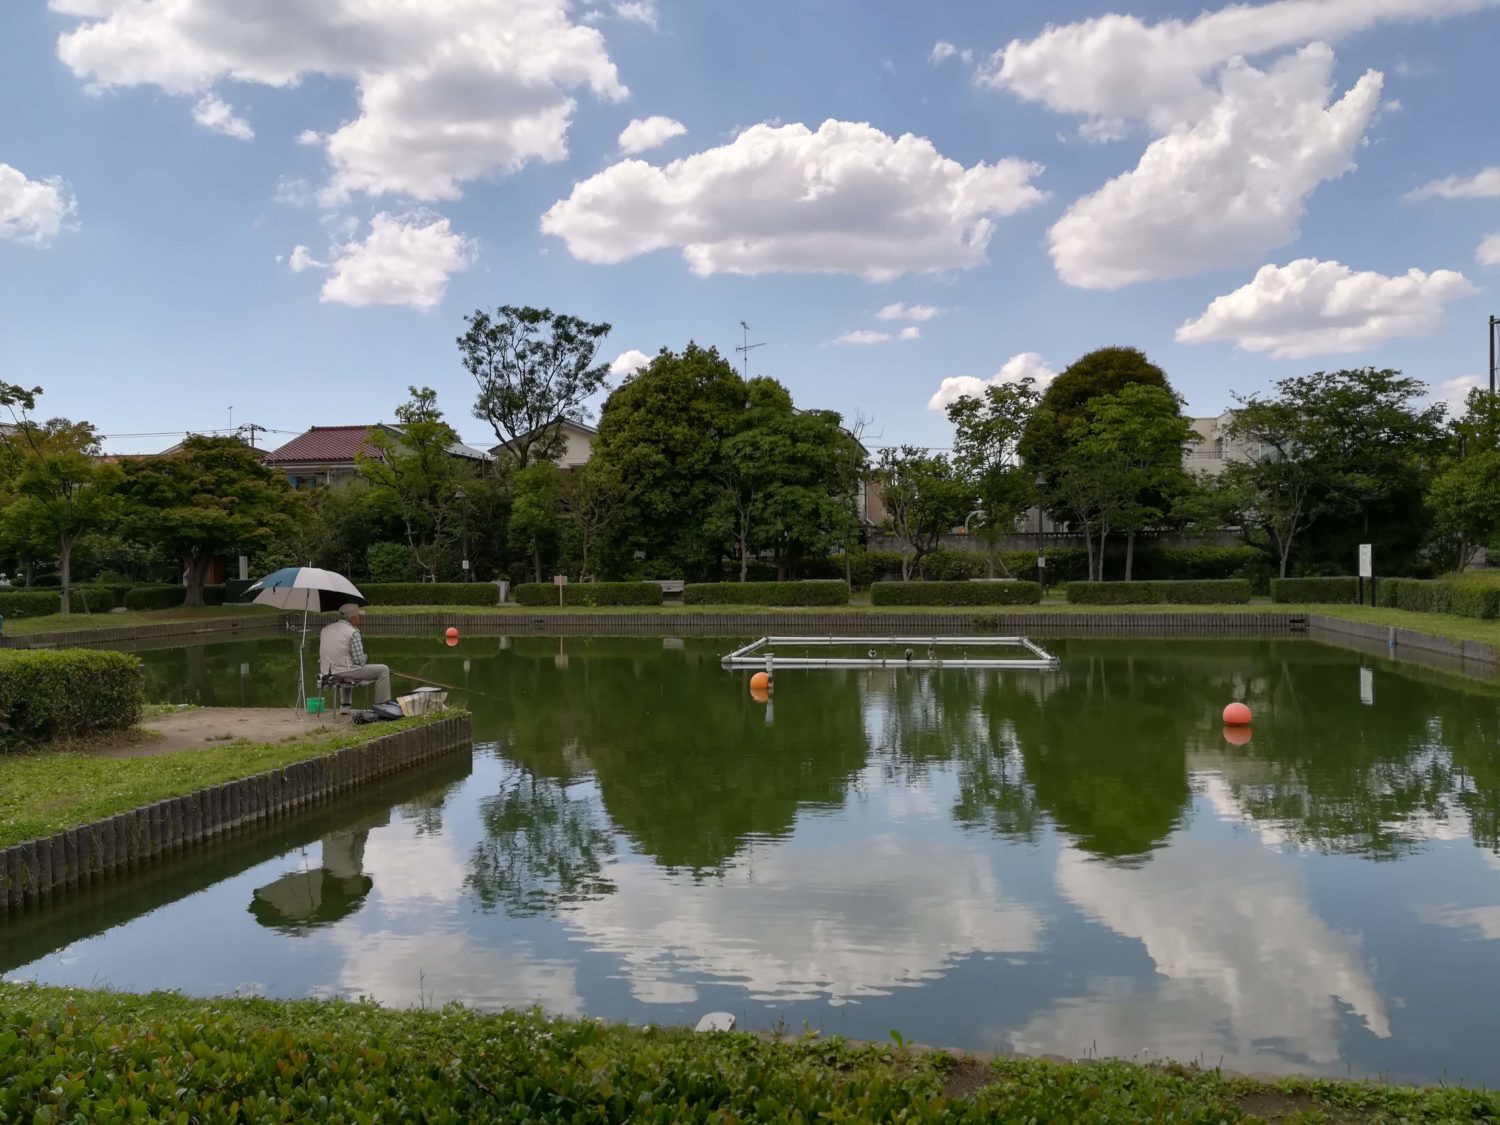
378	674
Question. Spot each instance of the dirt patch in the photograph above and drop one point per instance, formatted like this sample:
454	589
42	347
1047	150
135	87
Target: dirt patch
198	728
1273	1106
966	1077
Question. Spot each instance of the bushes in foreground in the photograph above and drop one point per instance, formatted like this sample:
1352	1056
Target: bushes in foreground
1458	596
78	1055
67	693
1224	591
955	593
589	593
818	592
1315	591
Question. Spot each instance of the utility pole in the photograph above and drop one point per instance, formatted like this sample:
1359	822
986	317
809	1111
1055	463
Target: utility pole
250	429
1494	324
747	347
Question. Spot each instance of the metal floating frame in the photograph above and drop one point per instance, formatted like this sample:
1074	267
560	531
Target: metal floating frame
919	653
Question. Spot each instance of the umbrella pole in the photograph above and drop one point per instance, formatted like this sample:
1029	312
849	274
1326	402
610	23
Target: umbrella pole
302	665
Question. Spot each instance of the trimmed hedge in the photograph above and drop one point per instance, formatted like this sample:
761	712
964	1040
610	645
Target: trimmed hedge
1315	591
955	593
821	591
1429	595
590	593
29	602
155	597
431	593
1222	591
67	693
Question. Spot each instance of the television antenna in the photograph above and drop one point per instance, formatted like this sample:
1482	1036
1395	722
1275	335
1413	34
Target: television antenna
747	347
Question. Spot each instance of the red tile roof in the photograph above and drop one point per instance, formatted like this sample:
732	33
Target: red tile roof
325	443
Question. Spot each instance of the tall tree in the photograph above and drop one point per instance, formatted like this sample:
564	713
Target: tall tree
593	495
213	497
535	370
1105	371
61	492
663	430
416	475
1349	448
534	518
924	497
1136	438
986	433
1464	500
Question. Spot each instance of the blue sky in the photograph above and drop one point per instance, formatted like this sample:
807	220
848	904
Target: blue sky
1242	193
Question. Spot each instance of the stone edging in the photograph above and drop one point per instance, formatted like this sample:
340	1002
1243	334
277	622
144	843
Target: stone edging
75	858
969	618
1397	637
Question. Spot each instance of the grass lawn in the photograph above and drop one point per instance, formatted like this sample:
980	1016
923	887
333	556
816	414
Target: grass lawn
98	1056
57	623
45	790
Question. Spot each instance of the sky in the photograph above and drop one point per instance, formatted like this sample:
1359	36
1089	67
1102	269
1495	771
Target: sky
217	213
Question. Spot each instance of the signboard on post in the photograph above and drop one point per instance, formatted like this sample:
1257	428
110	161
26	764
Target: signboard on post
559	580
1366	561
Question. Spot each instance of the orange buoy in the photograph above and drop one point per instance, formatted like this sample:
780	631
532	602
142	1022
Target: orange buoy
452	633
1236	715
451	642
1237	736
761	681
760	693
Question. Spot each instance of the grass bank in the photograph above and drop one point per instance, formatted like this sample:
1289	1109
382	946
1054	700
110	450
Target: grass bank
48	789
81	622
109	1057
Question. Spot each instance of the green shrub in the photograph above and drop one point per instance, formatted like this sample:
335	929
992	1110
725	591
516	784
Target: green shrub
1179	564
955	593
1315	591
29	602
66	693
944	565
1460	597
155	597
430	593
590	593
388	562
1064	564
820	591
1221	591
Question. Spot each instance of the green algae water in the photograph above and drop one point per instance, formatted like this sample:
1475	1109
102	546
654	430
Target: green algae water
1079	861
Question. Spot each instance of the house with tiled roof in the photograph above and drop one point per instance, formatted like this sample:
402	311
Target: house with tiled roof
326	455
576	447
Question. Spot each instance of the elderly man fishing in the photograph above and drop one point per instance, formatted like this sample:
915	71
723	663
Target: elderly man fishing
341	654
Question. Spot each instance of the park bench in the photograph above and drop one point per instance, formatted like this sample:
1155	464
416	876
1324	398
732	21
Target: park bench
670	587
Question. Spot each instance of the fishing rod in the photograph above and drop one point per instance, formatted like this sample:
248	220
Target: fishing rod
445	687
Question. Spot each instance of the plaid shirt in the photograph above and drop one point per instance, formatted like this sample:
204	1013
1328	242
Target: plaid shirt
357	650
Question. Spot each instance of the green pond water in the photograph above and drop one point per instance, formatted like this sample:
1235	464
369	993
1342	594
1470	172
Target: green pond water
1075	861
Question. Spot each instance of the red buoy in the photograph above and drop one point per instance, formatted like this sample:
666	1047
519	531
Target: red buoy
1236	715
1237	736
452	633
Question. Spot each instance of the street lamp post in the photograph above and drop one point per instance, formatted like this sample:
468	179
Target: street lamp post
463	534
1041	559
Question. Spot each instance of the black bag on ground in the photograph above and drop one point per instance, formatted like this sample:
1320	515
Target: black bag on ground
381	712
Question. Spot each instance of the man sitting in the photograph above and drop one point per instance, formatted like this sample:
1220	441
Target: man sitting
341	654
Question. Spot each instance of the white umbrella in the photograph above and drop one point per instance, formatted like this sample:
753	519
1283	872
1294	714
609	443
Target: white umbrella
306	588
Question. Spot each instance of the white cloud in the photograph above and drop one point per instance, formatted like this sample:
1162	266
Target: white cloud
1225	190
448	91
910	332
900	311
404	260
301	259
1488	253
844	199
942	51
1454	393
629	362
213	113
1245	969
640	11
1484	184
1027	365
648	133
33	211
864	336
1310	307
1117	66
